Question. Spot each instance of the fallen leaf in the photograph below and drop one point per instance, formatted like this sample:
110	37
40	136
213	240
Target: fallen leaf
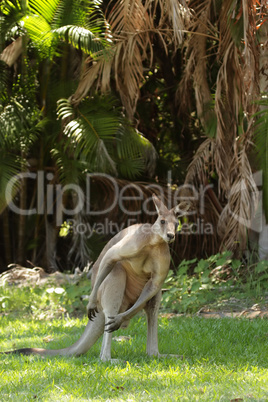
122	338
48	339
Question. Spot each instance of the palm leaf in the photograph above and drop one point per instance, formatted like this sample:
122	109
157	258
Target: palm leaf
12	12
70	170
202	164
11	53
136	154
131	168
129	152
46	9
39	32
133	25
80	38
91	132
60	13
97	132
73	21
236	217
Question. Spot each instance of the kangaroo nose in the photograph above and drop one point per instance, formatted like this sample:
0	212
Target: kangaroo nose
170	236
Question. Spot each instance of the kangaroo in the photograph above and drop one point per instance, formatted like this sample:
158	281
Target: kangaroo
126	278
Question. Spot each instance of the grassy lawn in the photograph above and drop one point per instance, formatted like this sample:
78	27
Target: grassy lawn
223	360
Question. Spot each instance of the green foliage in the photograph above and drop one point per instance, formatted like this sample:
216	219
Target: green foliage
90	132
19	121
212	280
47	22
196	284
135	154
3	78
80	38
10	166
56	36
44	301
99	138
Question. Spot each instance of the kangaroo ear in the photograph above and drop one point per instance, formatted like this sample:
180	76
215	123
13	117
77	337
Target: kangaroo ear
182	209
160	207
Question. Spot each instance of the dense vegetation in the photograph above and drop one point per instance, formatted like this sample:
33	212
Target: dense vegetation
165	92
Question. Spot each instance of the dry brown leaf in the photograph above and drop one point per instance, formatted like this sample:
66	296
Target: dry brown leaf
12	52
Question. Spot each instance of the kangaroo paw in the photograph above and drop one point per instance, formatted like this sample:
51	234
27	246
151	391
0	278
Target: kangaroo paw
113	324
92	310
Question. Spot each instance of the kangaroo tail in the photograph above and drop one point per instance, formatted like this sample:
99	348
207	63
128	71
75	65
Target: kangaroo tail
93	331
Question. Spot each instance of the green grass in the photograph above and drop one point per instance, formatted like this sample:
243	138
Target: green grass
224	359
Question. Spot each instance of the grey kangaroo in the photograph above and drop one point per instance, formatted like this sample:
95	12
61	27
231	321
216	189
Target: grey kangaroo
126	278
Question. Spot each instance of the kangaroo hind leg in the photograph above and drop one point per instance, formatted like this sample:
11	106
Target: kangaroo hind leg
151	310
111	299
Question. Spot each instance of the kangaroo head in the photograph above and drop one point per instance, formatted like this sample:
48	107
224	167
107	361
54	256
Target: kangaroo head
166	223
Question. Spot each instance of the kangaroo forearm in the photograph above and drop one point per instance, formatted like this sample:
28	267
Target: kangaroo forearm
102	274
147	293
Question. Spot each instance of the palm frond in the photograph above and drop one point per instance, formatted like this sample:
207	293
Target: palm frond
127	16
133	25
131	168
47	9
174	16
236	217
11	53
87	14
197	61
91	132
202	165
92	73
80	38
78	13
98	132
12	12
75	21
39	31
135	153
70	170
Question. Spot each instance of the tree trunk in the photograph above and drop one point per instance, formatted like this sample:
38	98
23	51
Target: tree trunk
6	236
51	242
22	222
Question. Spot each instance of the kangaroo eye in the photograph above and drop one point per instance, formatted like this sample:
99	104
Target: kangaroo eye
163	221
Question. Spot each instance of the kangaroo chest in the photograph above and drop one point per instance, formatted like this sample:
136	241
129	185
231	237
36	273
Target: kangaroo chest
140	269
149	260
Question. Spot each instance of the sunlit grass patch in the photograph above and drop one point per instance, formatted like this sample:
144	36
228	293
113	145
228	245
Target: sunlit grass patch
223	359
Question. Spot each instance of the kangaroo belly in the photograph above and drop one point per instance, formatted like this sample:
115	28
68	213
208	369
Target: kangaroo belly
134	284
